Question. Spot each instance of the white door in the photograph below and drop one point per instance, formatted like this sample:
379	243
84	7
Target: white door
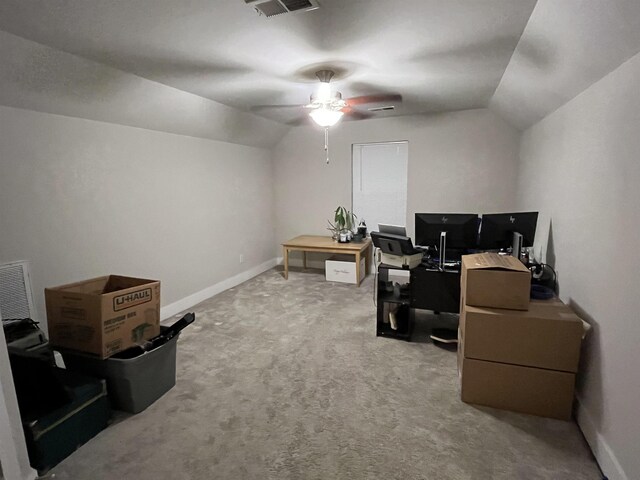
380	183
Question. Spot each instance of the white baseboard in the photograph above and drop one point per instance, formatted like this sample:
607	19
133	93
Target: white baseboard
599	446
174	308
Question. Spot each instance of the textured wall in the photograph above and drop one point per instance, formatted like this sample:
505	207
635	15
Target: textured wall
564	48
462	161
41	78
580	168
80	199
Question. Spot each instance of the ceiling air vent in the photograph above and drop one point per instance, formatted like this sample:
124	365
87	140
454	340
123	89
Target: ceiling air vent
271	8
295	5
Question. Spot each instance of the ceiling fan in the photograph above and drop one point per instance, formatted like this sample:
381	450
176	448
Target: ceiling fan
327	106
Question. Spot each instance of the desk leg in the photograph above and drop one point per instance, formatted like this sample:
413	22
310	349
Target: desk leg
285	254
367	260
358	268
412	319
304	260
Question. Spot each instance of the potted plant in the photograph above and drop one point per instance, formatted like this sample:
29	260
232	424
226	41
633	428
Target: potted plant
342	226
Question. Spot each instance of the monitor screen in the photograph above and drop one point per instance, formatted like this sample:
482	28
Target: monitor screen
497	229
461	228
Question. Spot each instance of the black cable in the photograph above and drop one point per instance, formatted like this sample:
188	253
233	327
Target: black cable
555	275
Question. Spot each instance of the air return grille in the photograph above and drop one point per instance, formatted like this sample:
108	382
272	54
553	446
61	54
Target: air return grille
271	8
16	300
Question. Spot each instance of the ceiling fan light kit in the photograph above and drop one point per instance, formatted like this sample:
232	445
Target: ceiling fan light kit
326	117
327	105
325	97
324	94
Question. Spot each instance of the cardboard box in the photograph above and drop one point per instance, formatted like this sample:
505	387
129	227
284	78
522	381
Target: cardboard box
492	280
548	335
536	391
104	315
342	268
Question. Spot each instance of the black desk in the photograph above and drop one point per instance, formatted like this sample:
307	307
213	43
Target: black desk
435	290
429	289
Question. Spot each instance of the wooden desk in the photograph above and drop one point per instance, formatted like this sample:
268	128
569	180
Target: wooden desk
316	243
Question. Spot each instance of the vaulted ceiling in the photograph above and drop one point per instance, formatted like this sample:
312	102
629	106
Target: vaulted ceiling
521	57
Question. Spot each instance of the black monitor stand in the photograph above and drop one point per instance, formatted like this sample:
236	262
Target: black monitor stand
517	245
442	254
443	250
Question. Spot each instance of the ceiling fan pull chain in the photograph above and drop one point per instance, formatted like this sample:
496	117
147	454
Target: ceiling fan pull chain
326	143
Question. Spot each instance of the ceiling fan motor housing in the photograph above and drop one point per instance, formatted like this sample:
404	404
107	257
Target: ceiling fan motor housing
324	97
325	76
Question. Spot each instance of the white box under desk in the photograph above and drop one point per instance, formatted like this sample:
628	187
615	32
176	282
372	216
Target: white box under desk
342	268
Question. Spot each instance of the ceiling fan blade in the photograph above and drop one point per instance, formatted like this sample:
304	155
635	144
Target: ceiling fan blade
382	98
356	114
258	108
301	120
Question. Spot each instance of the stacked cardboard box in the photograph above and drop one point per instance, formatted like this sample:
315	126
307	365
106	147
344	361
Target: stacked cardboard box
512	353
104	315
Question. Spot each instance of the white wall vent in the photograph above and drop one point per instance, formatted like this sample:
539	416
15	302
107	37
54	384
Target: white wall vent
16	299
271	8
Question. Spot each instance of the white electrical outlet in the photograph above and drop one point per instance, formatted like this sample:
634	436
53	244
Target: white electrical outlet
241	258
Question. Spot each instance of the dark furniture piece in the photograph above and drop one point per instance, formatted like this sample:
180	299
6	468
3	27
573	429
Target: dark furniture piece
392	298
435	290
60	410
428	289
56	434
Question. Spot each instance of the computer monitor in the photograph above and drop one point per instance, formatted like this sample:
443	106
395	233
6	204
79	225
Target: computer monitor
392	229
461	229
497	229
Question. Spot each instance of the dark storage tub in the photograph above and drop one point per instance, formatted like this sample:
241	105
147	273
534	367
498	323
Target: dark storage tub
133	384
56	434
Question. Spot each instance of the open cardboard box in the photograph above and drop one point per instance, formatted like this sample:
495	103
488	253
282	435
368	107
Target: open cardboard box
103	315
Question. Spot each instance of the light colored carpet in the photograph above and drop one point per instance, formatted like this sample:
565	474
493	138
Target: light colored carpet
287	380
